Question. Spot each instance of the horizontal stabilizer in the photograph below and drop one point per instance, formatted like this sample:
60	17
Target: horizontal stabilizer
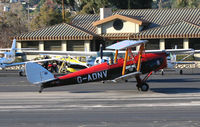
127	76
126	44
36	74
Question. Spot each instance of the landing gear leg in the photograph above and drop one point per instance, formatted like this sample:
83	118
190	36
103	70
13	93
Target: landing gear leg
141	84
41	89
181	72
162	71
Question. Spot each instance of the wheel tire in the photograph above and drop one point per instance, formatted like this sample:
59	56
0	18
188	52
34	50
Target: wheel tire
143	87
181	72
162	72
21	73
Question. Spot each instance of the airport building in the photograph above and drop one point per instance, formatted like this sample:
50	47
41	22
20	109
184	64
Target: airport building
164	28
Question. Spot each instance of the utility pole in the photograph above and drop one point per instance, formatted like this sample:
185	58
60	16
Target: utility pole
28	11
160	4
63	11
129	4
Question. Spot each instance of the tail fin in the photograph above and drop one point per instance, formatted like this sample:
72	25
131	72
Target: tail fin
173	57
36	74
13	44
13	48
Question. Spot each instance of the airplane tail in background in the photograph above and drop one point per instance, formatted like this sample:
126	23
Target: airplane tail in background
36	74
13	48
13	45
173	57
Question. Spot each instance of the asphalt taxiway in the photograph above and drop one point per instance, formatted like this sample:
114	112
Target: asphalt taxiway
173	101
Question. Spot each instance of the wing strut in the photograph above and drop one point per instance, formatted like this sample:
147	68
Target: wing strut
140	56
116	54
125	61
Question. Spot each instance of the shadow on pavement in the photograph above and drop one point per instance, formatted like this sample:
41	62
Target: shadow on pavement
176	90
175	80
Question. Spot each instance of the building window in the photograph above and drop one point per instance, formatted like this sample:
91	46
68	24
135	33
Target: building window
153	44
194	43
118	24
52	45
30	44
174	43
75	46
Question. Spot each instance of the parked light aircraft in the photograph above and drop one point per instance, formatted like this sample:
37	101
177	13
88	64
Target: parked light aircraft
172	61
120	69
9	57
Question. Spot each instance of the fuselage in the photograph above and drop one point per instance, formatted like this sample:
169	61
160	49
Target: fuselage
105	71
9	57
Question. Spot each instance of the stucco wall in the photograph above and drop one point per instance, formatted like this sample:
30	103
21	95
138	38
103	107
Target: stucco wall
128	27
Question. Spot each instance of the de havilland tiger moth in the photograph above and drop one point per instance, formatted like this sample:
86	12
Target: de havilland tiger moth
120	69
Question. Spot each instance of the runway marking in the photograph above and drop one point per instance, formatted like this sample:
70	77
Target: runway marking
75	107
58	101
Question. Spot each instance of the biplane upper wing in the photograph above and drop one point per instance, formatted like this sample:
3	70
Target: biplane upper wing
126	76
126	44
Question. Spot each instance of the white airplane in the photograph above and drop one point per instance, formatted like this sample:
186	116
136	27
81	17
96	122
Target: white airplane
172	61
9	57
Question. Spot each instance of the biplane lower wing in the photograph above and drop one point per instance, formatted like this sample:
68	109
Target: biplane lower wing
127	76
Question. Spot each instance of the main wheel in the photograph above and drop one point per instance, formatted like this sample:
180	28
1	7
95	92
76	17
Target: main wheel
181	72
143	87
21	73
162	72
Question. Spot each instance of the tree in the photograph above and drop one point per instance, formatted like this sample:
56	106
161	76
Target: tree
12	24
186	3
33	2
69	3
92	6
47	16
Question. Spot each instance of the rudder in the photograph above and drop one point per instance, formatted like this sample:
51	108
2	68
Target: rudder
36	74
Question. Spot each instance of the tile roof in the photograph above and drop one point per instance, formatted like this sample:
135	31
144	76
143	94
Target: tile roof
85	22
163	17
155	17
177	30
57	32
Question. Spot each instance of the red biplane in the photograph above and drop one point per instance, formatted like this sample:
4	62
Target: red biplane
119	69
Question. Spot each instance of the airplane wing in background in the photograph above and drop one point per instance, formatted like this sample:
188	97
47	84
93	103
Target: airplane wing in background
5	49
22	63
70	53
176	51
184	62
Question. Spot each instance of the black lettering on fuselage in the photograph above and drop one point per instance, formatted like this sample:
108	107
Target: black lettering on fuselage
79	79
92	77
